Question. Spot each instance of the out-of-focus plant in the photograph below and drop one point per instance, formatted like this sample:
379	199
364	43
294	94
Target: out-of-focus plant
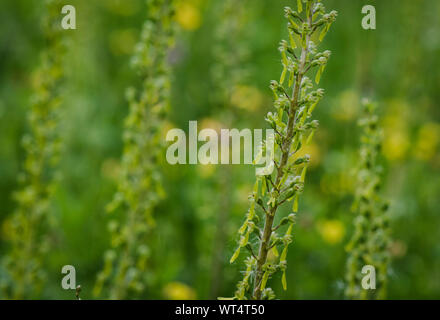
28	225
370	242
229	69
140	189
228	72
292	122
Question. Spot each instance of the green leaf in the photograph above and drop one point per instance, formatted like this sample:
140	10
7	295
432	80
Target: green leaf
293	24
300	6
235	255
283	254
292	41
275	251
324	32
312	107
289	230
283	54
264	280
303	174
318	74
256	186
291	79
280	117
243	227
295	204
283	75
283	180
283	280
310	137
244	240
251	211
303	116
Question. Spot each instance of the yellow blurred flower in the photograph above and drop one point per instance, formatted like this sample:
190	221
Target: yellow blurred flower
179	291
337	183
346	106
428	141
206	170
188	16
313	150
395	145
246	98
242	193
396	138
210	123
332	231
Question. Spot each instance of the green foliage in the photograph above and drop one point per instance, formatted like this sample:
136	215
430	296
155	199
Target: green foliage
292	121
370	242
30	222
227	72
140	187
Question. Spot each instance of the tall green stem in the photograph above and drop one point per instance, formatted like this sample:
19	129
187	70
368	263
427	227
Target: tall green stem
293	129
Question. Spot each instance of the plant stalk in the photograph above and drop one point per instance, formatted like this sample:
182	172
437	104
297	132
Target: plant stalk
270	215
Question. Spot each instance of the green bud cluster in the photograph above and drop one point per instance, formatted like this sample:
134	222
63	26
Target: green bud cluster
28	225
295	100
370	241
140	188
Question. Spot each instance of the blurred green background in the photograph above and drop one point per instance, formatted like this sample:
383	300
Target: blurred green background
397	65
